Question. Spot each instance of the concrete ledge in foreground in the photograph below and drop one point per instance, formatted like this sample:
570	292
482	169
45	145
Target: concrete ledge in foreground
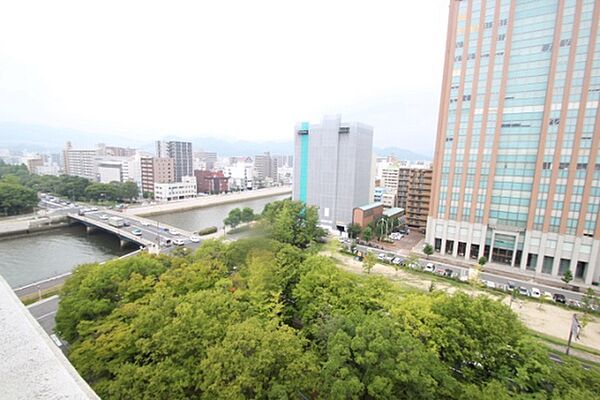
31	365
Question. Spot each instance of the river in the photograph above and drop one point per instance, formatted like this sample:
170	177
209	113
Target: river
194	220
29	259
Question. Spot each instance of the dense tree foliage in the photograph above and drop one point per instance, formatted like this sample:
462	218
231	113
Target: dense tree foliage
266	318
258	318
16	199
293	222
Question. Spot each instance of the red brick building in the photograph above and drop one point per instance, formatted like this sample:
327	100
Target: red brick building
211	182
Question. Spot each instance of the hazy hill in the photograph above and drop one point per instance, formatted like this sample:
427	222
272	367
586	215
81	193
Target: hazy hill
19	137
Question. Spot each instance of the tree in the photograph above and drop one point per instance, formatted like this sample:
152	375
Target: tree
428	249
15	199
234	218
589	299
482	261
367	234
369	261
294	223
567	277
247	215
354	230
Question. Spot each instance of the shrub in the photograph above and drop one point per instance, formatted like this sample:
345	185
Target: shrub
207	231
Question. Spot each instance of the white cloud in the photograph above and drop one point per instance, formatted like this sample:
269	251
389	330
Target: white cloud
247	69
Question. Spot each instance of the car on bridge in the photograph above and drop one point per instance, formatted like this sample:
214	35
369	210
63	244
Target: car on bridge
195	239
137	232
178	242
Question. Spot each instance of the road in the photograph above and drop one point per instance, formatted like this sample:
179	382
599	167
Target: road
44	312
163	236
498	280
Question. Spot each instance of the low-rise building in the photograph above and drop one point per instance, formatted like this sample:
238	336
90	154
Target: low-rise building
366	214
211	182
186	189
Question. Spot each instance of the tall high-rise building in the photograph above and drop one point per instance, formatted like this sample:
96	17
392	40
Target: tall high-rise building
181	153
265	168
517	168
80	162
156	170
333	168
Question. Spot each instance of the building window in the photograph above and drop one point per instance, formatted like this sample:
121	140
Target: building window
546	47
565	42
449	246
547	165
504	22
547	265
554	121
531	261
564	266
459	44
501	36
488	25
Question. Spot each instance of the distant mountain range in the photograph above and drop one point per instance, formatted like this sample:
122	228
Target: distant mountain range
38	138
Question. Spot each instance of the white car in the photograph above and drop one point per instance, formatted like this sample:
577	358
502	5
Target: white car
381	256
103	217
430	267
535	293
195	239
178	242
173	232
490	284
145	223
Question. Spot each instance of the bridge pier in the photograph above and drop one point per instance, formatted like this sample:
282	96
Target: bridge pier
123	242
90	228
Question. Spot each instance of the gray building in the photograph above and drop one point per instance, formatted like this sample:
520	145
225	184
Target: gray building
181	153
333	168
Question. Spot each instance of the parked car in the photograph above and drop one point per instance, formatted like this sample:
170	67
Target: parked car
389	258
429	267
547	296
559	298
535	293
381	256
137	232
490	284
523	291
511	286
397	260
574	303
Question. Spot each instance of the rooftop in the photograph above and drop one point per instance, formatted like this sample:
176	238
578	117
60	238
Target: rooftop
392	212
370	206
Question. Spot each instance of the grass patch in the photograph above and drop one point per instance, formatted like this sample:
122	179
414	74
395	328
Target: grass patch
34	298
562	342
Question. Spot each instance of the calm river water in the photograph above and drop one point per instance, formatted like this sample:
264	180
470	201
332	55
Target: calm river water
33	258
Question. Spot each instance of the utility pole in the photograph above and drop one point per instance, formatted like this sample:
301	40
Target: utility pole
574	331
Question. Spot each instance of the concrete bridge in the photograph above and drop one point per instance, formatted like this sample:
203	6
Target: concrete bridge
154	236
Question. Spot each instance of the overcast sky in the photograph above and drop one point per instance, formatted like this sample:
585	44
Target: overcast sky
244	69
